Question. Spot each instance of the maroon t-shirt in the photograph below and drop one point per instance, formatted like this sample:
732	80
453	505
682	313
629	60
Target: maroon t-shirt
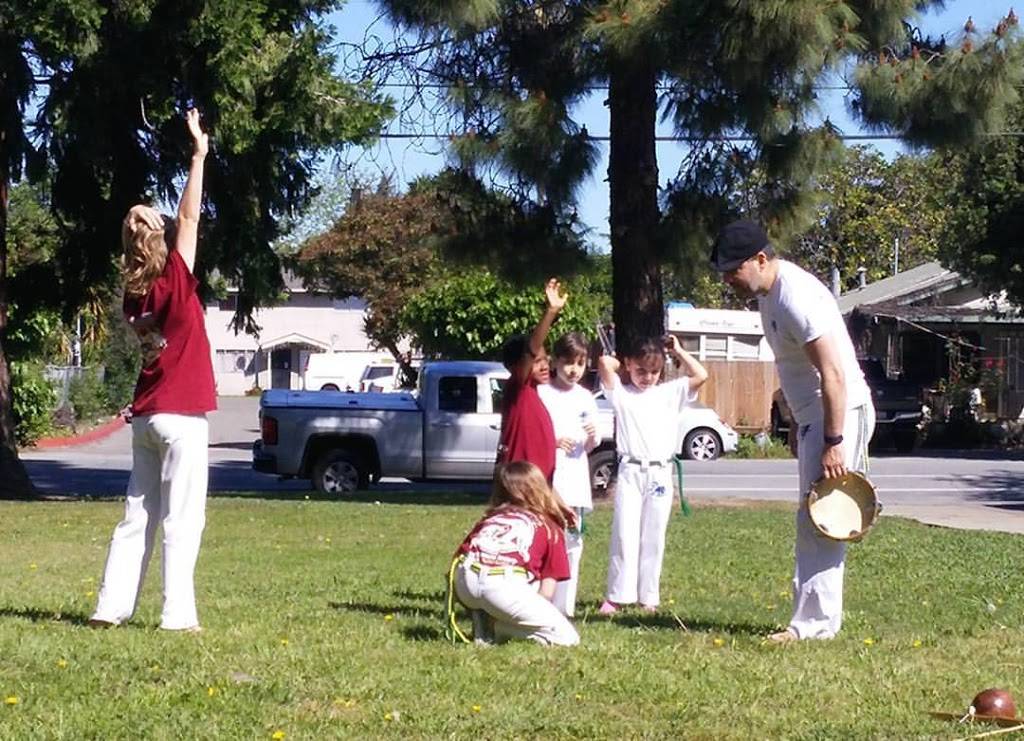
527	433
177	373
511	536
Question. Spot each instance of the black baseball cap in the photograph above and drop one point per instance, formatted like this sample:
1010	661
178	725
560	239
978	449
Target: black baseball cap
737	243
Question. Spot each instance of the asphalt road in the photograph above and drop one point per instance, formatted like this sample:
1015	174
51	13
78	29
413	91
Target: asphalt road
966	490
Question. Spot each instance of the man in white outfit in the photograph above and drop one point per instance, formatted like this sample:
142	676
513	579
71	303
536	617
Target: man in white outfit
829	399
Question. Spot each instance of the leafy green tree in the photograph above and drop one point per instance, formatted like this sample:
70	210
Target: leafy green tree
718	71
866	205
985	186
109	83
471	313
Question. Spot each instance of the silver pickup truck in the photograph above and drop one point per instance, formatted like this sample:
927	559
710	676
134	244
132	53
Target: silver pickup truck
445	430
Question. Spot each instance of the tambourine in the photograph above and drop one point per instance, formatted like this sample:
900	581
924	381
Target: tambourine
843	508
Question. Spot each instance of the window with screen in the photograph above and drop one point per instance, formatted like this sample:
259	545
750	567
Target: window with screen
457	394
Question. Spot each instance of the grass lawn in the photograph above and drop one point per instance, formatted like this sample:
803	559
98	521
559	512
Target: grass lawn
322	619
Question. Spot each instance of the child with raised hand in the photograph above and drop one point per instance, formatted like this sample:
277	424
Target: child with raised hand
647	439
508	565
573	413
526	430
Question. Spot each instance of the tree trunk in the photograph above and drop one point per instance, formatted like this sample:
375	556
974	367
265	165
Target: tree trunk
14	481
634	213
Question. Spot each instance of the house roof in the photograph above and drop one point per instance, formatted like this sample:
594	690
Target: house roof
927	279
294	338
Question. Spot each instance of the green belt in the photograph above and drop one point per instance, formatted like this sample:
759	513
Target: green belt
684	506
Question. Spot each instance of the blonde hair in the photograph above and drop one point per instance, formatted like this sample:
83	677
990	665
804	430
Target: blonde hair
521	484
145	254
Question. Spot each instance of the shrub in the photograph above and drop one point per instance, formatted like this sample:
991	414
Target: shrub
762	445
33	400
88	396
121	360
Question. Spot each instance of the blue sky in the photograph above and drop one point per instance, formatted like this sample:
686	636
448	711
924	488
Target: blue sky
405	159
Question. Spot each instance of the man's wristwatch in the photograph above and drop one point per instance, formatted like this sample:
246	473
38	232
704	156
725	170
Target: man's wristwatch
833	440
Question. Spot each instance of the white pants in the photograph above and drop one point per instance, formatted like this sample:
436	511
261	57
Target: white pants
518	610
168	487
820	561
643	506
565	591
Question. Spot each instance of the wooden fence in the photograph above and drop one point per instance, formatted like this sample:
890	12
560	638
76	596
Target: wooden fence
741	392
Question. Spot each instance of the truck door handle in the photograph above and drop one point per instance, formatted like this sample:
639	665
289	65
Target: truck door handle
495	427
444	424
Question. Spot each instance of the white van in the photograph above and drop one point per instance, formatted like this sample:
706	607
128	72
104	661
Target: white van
336	371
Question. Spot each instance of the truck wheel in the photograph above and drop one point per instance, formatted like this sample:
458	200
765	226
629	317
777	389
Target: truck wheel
603	468
702	444
341	472
329	387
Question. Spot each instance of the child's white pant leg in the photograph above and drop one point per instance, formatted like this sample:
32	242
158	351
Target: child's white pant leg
184	439
656	513
565	591
518	610
820	561
624	544
132	542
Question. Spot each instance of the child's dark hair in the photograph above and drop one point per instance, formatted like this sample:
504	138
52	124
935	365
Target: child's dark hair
515	348
570	346
648	347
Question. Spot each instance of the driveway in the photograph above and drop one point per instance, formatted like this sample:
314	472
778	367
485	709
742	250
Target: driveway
965	490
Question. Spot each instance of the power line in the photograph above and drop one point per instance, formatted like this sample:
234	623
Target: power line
688	139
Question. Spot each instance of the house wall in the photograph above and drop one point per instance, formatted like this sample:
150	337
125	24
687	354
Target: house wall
240	361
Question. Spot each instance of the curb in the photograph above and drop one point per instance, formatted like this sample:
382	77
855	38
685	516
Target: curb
96	433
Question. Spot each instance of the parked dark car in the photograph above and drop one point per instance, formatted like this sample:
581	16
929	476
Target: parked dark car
898	408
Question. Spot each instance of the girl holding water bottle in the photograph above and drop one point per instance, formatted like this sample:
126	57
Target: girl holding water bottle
574	416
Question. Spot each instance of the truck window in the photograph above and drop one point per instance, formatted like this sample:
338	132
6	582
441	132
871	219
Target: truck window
457	394
497	393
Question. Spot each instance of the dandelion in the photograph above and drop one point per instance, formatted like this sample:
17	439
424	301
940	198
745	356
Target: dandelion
869	641
284	641
719	642
62	663
211	691
33	566
11	700
90	593
671	601
388	618
476	708
916	643
328	540
277	735
579	698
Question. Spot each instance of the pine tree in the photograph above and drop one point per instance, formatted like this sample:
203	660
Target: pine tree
748	69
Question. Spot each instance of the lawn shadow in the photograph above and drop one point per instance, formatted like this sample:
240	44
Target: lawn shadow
404	493
437	596
377	609
423	633
671	621
44	616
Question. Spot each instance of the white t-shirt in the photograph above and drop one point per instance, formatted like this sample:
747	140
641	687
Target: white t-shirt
569	409
647	422
799	309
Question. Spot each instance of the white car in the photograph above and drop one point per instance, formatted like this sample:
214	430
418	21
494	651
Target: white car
704	435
